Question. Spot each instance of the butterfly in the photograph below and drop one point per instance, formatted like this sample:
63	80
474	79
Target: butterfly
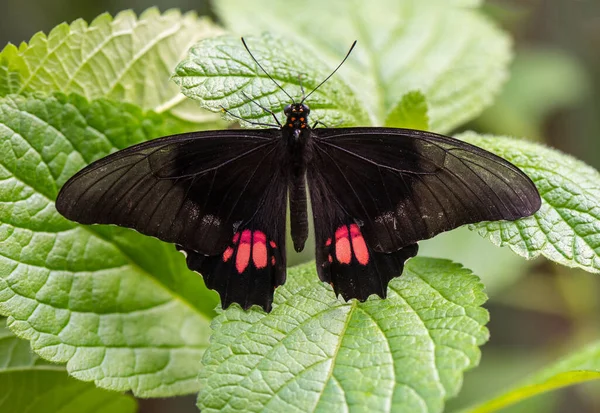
221	197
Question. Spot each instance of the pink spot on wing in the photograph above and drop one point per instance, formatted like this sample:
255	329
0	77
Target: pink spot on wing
246	236
328	242
259	250
358	245
242	258
272	243
260	236
329	258
273	261
343	253
354	230
227	254
235	238
341	232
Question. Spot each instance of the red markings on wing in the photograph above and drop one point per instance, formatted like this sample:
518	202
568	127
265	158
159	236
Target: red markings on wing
343	253
259	249
259	236
349	243
227	254
242	258
249	247
359	246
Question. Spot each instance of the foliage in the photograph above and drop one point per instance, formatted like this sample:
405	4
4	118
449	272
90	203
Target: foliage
123	311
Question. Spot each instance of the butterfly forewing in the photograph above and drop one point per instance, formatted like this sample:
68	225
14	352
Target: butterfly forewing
186	189
402	186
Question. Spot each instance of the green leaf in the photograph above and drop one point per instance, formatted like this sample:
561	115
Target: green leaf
219	71
566	229
119	308
448	50
124	59
583	365
317	353
11	66
31	385
410	112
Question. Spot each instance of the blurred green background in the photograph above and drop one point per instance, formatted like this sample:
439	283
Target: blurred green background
539	311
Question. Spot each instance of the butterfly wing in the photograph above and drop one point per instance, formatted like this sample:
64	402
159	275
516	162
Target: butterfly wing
254	262
200	191
389	188
344	257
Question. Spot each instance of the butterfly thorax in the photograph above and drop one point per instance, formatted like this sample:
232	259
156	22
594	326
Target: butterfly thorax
296	123
297	138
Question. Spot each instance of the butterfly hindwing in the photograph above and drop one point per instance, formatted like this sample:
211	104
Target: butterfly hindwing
345	259
402	186
254	263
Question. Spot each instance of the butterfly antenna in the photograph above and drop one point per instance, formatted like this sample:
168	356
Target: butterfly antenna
266	73
332	73
301	87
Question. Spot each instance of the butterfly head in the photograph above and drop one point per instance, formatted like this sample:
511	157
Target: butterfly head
296	117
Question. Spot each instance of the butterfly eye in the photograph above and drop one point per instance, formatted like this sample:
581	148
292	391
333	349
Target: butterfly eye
287	110
304	109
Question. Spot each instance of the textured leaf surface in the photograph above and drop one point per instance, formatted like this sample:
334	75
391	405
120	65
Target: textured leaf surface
314	352
218	73
446	49
566	229
125	59
583	365
31	385
119	308
410	113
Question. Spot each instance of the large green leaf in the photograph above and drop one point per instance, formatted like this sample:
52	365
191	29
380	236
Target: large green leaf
220	73
450	52
122	58
317	353
582	365
566	229
30	385
119	308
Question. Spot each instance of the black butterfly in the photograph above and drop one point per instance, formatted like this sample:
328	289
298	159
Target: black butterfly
221	197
